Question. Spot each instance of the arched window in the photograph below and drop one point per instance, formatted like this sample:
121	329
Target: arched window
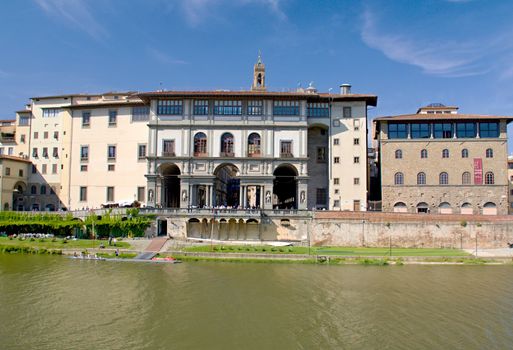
254	145
445	153
399	179
227	145
33	189
444	178
43	189
464	153
398	154
200	144
489	178
489	153
421	178
465	178
423	153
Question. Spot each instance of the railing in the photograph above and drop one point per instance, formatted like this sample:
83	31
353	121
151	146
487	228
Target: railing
227	154
168	154
286	155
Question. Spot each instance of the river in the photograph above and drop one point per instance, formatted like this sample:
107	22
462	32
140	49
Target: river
49	302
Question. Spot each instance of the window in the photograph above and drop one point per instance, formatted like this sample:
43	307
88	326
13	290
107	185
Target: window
227	145
111	167
337	191
321	154
50	112
56	135
22	138
33	189
55	152
254	145
421	178
45	135
20	173
442	130
140	193
36	135
397	131
169	107
466	130
336	181
445	153
141	151
34	169
113	117
286	108
356	124
465	178
84	153
110	194
336	203
43	169
7	171
10	151
43	189
83	194
347	112
489	178
83	167
336	142
286	149
200	144
489	153
54	168
318	110
336	160
489	130
424	153
356	141
255	107
111	152
443	178
356	160
140	114
45	152
398	154
168	148
227	107
86	119
464	153
200	107
321	196
398	179
420	131
24	121
356	180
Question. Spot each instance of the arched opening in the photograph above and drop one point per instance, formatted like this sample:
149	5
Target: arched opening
422	207
226	186
227	145
254	145
18	193
170	185
489	208
6	206
50	207
444	208
400	207
466	208
200	145
285	187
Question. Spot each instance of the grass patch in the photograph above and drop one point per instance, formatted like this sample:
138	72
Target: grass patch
241	260
59	243
11	249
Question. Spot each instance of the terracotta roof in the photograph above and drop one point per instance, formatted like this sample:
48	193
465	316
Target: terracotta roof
19	159
370	99
441	117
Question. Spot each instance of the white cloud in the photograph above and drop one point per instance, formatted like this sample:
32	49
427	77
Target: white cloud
76	13
163	57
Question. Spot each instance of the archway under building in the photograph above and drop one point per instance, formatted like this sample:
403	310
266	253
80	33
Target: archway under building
445	208
422	207
285	187
170	174
489	208
226	186
466	208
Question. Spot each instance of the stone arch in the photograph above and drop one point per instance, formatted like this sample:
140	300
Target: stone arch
227	145
285	187
170	181
466	208
400	207
489	208
226	185
254	145
445	208
422	207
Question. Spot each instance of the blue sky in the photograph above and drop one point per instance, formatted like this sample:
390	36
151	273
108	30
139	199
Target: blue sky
408	52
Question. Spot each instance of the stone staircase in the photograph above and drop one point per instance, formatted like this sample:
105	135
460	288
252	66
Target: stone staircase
153	248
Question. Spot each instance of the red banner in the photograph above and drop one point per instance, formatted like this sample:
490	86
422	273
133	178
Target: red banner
478	171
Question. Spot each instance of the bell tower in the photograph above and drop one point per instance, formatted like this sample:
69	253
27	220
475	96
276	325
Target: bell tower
259	75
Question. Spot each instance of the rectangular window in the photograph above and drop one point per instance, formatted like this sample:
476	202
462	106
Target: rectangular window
286	108
286	149
489	130
466	130
336	181
141	151
111	167
356	180
55	152
56	135
140	194
22	138
347	112
111	152
34	169
86	119
45	152
356	141
336	142
113	117
336	203
1	151
10	151
24	121
442	130
36	135
321	154
169	107
336	160
20	173
397	130
420	130
321	196
140	114
356	124
83	167
43	169
34	152
7	171
50	112
168	148
356	160
318	110
45	135
200	107
337	191
110	194
54	168
256	107
84	153
83	194
227	107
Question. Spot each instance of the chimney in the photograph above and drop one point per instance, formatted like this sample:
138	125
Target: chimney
345	89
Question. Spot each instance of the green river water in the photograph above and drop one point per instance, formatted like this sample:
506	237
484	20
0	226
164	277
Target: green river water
49	302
